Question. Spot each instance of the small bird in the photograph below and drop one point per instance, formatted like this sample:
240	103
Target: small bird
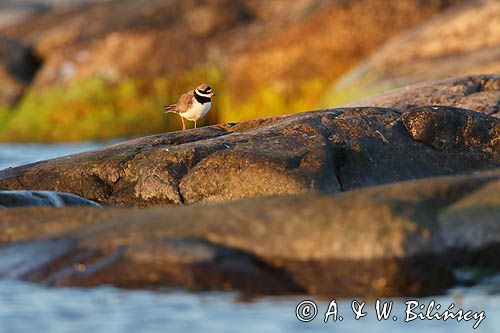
193	105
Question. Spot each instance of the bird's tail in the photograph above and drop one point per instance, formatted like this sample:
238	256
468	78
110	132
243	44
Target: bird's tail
170	108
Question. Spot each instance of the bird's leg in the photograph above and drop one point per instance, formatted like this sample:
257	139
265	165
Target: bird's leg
183	124
195	124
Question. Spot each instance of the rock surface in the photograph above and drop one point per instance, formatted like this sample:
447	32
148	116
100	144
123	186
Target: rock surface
391	240
463	40
330	30
41	198
234	34
323	151
15	12
479	93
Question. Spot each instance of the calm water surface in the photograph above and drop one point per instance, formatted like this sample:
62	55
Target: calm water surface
26	307
18	154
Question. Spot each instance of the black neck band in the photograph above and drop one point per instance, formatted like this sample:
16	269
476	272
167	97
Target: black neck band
201	99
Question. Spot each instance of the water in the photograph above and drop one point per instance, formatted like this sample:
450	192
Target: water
26	307
18	154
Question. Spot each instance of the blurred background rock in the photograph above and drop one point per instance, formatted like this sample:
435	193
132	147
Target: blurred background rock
80	70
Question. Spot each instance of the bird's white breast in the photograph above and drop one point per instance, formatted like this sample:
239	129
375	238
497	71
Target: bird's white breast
197	111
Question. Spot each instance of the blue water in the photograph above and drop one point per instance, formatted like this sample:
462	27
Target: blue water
26	307
18	154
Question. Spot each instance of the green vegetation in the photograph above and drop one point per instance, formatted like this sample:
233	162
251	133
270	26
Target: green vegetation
96	109
267	102
5	114
93	109
348	94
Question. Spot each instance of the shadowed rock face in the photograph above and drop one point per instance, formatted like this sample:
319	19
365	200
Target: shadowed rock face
17	68
322	151
41	198
398	239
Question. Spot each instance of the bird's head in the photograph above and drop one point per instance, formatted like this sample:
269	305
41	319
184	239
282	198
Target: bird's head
204	90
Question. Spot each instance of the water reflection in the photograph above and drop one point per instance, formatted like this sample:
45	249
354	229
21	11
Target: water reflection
26	307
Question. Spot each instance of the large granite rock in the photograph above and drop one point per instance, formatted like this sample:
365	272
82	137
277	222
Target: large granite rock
462	40
323	151
479	93
41	198
391	240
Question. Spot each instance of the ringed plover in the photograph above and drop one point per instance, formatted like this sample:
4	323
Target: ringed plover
193	105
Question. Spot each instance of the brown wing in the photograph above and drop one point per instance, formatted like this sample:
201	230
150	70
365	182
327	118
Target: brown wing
185	102
170	108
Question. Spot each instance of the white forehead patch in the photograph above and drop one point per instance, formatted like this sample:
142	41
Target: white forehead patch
202	94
